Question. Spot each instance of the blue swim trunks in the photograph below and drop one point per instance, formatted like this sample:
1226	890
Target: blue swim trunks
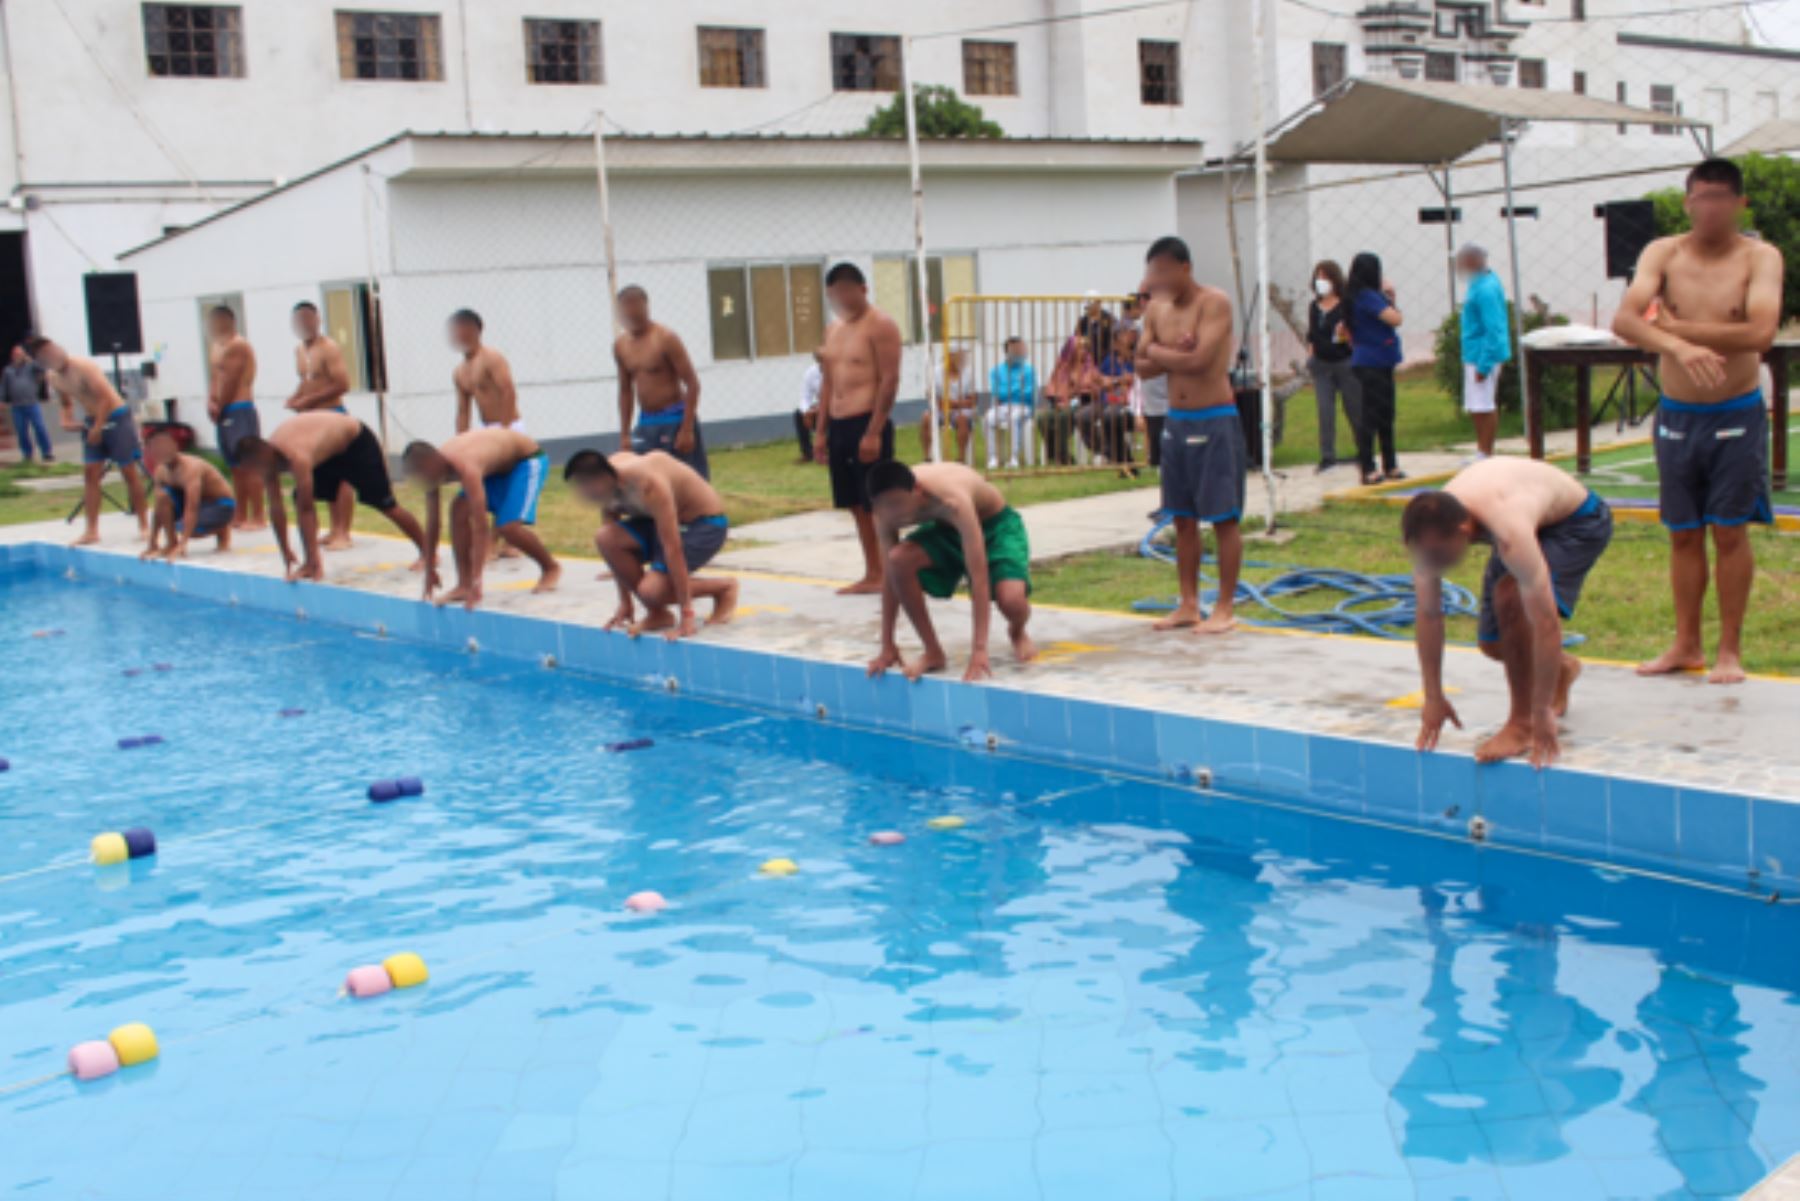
215	515
1204	462
512	496
701	539
1712	461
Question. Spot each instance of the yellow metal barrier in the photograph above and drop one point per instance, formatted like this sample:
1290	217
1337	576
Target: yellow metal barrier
1074	418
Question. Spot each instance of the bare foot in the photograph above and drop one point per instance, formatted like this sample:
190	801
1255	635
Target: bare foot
1511	742
1182	617
658	619
455	596
862	587
926	664
253	526
1728	670
336	542
1565	680
724	605
1221	621
86	540
416	565
548	581
1671	661
1024	649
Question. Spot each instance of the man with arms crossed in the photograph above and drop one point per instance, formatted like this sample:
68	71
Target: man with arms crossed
328	454
324	379
111	432
196	502
232	407
965	528
655	371
1718	297
665	523
1188	338
861	358
1547	532
502	472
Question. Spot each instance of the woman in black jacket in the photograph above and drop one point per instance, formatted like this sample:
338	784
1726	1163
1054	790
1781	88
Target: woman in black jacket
1329	341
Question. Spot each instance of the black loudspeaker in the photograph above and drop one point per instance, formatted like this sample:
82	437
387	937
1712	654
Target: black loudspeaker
112	313
1630	226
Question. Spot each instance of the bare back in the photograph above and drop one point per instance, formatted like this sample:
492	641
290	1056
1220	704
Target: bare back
486	376
488	451
182	471
308	439
694	497
1511	497
82	382
651	360
948	483
852	361
1202	322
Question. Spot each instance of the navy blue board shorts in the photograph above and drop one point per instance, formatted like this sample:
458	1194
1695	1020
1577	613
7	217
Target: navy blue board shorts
237	422
701	539
119	441
1571	548
1204	459
215	515
1713	461
512	496
656	431
843	459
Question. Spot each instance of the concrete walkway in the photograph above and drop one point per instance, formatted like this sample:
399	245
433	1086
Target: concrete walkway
1680	730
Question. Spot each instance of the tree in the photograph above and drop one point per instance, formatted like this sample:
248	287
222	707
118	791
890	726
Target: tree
1772	185
941	114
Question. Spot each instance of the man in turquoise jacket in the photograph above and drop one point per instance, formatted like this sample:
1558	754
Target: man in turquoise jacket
1486	344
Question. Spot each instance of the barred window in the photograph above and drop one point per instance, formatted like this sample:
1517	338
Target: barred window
1330	65
862	62
990	68
390	46
1159	72
1440	66
197	40
563	52
731	58
1531	72
766	310
1662	99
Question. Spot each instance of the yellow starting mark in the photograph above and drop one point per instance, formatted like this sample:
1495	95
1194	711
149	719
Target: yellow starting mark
1062	652
753	610
1416	700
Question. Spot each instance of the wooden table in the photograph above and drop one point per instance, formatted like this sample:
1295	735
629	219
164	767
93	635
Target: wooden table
1583	359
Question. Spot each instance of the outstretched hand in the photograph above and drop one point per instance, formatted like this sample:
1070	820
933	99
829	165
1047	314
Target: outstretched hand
1432	716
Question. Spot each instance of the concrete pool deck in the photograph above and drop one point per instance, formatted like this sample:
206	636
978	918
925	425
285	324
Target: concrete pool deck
1680	731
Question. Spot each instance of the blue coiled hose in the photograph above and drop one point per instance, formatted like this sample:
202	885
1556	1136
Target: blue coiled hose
1380	606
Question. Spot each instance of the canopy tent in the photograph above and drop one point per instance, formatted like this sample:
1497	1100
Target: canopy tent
1415	123
1771	137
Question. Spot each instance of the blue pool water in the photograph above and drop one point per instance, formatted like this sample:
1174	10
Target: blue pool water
1099	989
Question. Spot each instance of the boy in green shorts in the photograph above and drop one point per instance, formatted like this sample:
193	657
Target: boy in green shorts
965	528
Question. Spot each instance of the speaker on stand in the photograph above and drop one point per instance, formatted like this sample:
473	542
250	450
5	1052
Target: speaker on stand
114	327
1630	227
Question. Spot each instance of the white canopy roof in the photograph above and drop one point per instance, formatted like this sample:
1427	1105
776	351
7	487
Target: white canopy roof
1415	123
1771	137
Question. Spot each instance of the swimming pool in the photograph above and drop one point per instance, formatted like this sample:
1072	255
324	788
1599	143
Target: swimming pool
1099	987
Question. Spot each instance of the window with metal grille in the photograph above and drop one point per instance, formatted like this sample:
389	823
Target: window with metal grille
194	40
1159	72
1440	66
1531	72
403	46
766	310
1662	99
563	52
1330	65
864	62
990	68
731	58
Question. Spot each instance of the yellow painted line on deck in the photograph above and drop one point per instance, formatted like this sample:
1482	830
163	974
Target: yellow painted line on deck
1416	700
1062	652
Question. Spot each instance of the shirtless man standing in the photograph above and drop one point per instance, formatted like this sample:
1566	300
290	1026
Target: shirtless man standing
196	501
327	453
1719	306
502	472
1188	338
483	378
323	382
232	407
656	373
1547	531
664	517
965	529
861	362
112	433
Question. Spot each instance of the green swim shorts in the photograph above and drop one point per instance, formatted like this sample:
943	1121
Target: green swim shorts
1008	553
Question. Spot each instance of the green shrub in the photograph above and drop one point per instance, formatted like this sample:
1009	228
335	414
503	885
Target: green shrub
1772	186
1559	382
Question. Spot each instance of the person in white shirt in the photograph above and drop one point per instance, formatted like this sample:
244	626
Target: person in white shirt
806	417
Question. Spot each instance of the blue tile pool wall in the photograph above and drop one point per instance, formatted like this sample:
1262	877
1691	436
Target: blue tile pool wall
1701	833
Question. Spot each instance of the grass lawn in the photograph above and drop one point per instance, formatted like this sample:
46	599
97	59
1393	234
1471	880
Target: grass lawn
1625	612
1629	472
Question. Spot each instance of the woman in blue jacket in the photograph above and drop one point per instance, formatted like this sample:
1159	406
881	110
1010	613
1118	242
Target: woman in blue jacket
1374	353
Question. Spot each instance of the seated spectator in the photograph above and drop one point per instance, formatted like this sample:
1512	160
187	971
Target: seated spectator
1096	326
1012	394
1076	381
1106	425
958	408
